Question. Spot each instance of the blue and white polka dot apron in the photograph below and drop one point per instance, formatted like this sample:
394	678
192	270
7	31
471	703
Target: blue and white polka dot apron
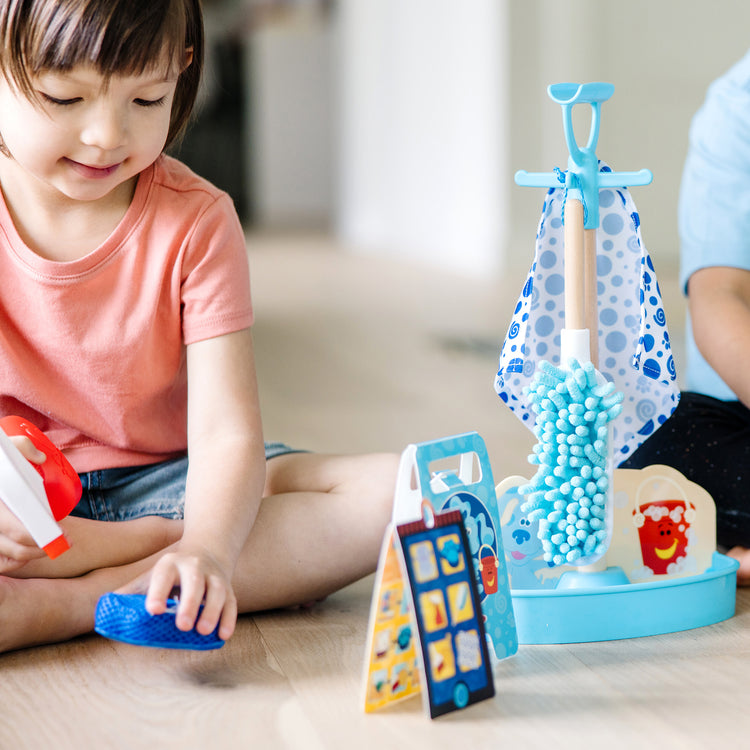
634	348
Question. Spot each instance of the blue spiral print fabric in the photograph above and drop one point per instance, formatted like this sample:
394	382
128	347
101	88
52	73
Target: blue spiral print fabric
634	348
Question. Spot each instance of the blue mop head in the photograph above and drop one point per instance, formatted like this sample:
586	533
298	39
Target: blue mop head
568	493
123	617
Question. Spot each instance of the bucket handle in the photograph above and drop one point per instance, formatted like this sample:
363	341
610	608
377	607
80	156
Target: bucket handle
639	518
492	553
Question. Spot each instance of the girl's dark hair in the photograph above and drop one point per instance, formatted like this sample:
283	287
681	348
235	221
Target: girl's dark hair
125	37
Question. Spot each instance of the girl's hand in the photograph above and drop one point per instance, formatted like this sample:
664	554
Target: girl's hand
200	580
17	546
27	449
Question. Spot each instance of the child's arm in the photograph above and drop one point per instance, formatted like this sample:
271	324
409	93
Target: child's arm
225	482
719	302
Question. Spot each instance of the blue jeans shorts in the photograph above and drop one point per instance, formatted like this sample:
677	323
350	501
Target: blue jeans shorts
152	490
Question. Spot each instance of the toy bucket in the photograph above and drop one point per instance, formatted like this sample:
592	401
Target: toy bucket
663	531
488	565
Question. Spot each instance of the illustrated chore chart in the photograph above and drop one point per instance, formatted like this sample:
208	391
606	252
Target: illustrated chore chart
426	625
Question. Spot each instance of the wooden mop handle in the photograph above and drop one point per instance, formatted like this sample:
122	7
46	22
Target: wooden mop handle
573	264
581	296
591	295
579	262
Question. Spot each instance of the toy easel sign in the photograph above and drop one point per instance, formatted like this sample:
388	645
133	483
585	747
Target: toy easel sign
426	630
392	666
465	484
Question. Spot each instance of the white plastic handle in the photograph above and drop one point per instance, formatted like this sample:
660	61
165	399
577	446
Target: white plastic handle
22	490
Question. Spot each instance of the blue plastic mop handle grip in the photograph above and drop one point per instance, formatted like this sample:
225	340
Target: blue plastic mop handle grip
583	178
575	93
625	179
569	94
605	179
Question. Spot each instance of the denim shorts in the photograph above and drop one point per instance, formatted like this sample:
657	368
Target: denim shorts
152	490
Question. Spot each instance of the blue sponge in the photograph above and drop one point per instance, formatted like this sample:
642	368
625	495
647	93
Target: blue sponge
123	617
568	493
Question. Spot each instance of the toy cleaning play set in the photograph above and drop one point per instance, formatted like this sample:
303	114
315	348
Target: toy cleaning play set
578	552
583	551
592	295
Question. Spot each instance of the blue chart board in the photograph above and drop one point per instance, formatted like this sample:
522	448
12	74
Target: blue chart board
448	612
473	494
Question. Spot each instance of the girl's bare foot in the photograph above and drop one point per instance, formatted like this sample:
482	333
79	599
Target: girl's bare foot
35	611
742	555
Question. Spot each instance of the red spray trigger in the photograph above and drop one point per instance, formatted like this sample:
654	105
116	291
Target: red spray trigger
61	483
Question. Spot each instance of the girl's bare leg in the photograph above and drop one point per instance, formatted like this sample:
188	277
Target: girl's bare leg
321	529
103	544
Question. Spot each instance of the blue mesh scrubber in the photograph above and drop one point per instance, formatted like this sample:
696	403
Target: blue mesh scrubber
123	617
568	493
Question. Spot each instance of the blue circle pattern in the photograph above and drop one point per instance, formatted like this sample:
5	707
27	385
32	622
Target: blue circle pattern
634	350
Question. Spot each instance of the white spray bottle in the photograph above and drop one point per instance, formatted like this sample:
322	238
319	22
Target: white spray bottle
38	495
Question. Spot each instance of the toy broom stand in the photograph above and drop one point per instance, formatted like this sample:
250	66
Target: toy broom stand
571	493
574	407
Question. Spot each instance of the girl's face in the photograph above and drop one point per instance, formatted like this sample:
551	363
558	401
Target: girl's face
86	136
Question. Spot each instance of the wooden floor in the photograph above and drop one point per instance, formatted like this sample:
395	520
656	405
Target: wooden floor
354	355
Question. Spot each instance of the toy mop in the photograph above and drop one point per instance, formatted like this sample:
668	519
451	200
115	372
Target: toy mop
577	533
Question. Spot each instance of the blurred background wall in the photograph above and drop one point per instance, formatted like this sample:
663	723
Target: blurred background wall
397	125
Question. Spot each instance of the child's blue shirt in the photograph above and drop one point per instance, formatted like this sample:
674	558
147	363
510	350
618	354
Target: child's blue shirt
714	207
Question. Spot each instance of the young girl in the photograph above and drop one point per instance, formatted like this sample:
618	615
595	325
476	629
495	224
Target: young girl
124	335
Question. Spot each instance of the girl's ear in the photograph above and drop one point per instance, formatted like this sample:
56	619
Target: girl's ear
188	59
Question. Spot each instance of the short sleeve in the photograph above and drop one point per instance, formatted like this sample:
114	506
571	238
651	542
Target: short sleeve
215	286
714	206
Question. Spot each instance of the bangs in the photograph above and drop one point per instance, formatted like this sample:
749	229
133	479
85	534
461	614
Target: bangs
126	37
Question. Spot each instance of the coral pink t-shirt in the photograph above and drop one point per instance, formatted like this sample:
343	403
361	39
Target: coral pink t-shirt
93	351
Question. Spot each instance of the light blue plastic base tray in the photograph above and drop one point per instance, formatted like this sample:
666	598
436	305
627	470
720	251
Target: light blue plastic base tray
577	612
